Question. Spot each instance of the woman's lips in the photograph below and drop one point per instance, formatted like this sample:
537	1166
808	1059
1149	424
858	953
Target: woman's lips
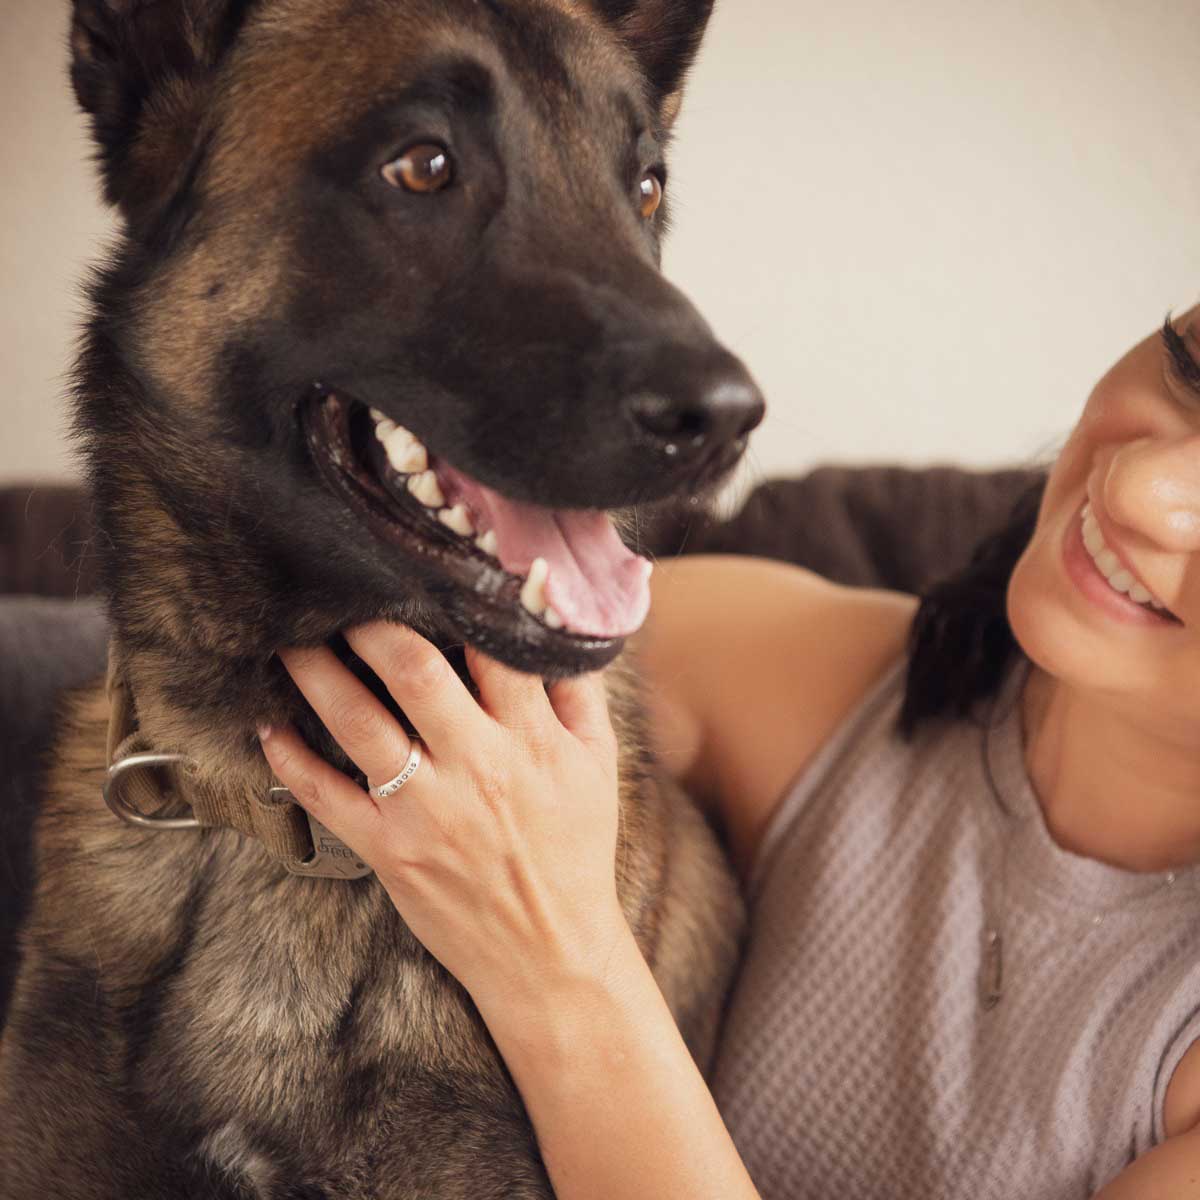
1086	574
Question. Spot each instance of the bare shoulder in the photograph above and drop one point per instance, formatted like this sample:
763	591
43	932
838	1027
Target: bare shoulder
753	664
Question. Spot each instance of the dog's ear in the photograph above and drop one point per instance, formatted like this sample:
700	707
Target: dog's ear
665	35
139	69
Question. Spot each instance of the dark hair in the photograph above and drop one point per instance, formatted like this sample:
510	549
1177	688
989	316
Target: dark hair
961	643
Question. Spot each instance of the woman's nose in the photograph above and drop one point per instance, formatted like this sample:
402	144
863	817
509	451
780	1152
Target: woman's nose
1152	487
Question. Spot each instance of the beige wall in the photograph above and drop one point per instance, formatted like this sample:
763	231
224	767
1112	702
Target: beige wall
928	227
51	224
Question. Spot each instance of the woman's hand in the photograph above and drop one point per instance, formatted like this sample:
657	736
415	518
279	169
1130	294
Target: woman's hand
499	851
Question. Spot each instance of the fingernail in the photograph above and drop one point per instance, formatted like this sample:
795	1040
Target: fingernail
264	732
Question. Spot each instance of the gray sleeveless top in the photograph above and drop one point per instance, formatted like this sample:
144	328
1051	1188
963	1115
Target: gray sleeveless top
860	1057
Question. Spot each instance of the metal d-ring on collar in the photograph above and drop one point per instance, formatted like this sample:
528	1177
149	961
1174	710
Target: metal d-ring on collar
292	837
331	858
121	808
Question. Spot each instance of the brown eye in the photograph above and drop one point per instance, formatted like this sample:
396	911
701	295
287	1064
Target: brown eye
650	192
423	168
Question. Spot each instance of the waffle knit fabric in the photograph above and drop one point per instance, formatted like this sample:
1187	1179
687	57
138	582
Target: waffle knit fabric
859	1059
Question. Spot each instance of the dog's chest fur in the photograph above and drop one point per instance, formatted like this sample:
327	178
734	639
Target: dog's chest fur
222	1028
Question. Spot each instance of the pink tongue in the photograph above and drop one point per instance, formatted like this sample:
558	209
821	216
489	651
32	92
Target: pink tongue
597	585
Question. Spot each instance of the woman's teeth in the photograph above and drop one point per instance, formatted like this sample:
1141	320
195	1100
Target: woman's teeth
408	457
1107	563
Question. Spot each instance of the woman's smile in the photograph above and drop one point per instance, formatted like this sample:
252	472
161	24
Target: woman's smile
1106	578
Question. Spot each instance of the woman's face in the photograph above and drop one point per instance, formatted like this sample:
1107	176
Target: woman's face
1119	534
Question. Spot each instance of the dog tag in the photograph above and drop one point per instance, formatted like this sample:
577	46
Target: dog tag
331	857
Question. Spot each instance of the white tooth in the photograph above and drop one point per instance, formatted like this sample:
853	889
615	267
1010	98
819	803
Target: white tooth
551	617
1087	510
426	488
458	519
1092	539
533	592
377	416
1120	581
406	454
384	429
1140	594
488	542
1108	562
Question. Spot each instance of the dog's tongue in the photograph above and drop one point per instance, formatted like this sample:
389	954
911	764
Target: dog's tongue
597	585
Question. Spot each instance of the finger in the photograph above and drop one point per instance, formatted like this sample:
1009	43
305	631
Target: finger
423	683
360	724
516	700
343	808
581	704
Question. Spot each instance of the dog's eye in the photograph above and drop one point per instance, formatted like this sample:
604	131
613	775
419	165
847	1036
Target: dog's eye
422	168
650	192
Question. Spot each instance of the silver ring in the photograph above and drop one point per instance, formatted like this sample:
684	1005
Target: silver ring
410	769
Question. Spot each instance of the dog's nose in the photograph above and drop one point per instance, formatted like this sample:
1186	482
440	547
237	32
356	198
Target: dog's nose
699	411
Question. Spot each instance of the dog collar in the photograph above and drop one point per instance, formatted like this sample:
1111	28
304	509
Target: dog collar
149	788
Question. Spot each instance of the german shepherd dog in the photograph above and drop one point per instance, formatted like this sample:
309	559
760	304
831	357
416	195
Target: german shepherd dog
384	336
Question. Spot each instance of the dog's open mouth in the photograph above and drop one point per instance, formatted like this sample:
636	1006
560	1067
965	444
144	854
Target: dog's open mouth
565	570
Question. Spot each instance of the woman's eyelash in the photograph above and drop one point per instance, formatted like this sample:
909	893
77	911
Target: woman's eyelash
1186	368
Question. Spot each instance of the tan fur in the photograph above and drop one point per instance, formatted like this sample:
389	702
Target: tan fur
249	1029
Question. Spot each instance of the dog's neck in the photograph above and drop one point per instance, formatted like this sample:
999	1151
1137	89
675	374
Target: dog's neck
180	791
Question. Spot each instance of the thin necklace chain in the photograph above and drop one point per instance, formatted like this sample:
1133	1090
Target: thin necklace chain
991	968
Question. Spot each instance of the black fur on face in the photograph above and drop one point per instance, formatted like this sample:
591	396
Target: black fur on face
515	320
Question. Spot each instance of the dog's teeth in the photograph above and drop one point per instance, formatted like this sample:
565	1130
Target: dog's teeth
457	519
425	487
533	592
404	452
551	617
488	543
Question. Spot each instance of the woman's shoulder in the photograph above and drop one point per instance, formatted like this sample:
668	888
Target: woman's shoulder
754	664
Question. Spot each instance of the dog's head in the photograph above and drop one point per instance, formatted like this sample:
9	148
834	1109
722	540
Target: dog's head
386	327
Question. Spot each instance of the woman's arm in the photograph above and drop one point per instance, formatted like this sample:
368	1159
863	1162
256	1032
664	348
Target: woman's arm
619	1106
499	854
751	665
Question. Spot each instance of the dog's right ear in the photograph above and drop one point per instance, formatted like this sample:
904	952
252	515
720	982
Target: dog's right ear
665	37
139	69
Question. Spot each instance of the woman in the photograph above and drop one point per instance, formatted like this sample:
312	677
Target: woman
974	963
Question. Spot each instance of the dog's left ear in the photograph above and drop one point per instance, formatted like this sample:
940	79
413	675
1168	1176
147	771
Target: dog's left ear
139	68
665	36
